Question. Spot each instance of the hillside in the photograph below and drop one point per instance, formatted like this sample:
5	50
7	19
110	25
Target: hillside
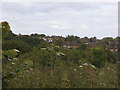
40	61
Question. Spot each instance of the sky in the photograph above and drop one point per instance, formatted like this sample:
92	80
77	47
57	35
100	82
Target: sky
99	19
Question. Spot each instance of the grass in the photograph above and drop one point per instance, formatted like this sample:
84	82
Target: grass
71	76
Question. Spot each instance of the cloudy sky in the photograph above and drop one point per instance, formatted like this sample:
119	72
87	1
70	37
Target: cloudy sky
90	19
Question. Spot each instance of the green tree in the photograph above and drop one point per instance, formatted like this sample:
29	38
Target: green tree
72	38
5	28
99	57
10	53
28	39
82	46
59	42
16	44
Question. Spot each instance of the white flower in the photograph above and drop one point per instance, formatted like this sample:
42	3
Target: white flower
13	63
31	68
80	66
62	54
93	66
16	50
43	48
59	53
85	64
86	43
9	59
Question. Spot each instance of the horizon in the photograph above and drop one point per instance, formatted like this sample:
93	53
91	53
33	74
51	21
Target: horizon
81	19
66	36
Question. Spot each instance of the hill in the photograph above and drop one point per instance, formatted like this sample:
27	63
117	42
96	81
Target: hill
40	61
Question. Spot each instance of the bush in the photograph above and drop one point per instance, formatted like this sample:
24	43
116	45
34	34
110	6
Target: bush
99	57
16	44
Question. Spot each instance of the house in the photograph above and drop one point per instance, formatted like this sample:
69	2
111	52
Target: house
51	39
48	39
69	45
112	48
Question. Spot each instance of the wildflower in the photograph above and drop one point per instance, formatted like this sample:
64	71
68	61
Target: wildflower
43	48
16	50
80	66
31	68
13	63
93	66
62	54
9	59
59	53
86	43
85	64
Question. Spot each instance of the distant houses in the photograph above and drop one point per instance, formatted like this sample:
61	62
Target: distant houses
93	42
51	39
69	44
48	39
66	44
112	48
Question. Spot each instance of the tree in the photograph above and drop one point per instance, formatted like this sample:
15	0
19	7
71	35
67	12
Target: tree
28	39
5	28
42	35
59	42
6	32
72	38
11	53
82	46
16	44
112	57
99	57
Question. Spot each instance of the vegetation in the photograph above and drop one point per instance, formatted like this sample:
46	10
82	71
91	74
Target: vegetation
32	62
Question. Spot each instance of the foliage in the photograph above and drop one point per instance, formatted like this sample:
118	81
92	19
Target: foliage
5	28
99	57
59	42
28	39
10	53
72	38
16	44
31	62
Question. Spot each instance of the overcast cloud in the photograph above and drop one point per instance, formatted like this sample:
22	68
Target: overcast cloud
62	18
